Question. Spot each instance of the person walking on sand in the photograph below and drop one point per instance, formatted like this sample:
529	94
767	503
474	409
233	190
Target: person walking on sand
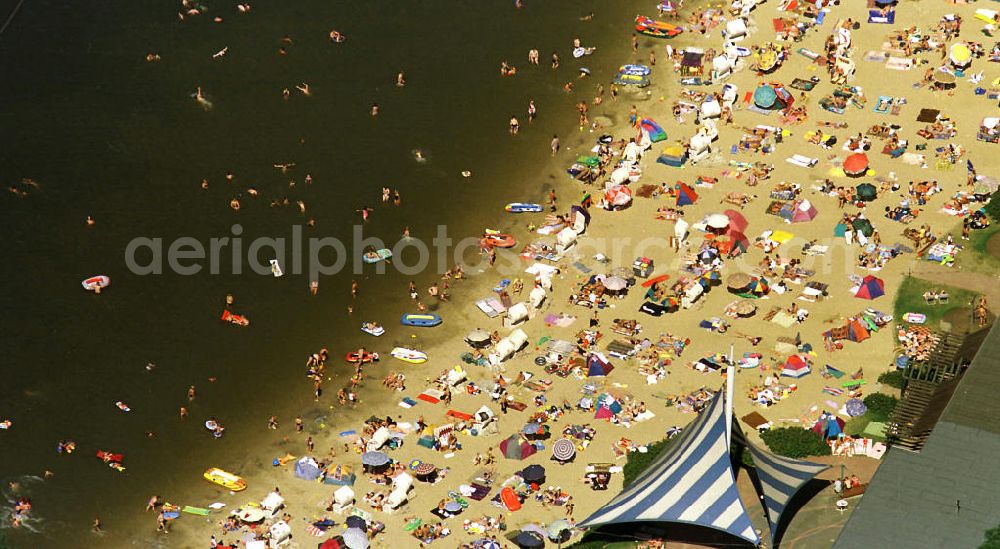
552	199
554	144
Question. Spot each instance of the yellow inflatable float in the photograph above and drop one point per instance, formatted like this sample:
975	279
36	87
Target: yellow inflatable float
225	479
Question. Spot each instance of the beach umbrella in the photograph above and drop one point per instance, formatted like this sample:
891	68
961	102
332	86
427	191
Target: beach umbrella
355	538
738	281
478	338
533	473
527	539
559	530
424	469
563	449
863	225
717	221
765	97
615	283
374	459
944	79
855	407
250	513
736	220
355	521
619	195
759	285
866	192
960	54
453	507
856	164
745	308
486	543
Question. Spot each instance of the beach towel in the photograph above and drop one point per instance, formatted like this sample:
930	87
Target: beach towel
802	161
432	396
804	85
581	267
490	306
876	17
900	63
876	56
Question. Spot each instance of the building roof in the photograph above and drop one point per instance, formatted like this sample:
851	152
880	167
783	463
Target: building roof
944	496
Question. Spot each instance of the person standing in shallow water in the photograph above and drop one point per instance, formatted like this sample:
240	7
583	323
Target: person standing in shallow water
555	144
514	125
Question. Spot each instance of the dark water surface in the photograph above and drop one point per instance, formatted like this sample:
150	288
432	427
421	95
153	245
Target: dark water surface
104	133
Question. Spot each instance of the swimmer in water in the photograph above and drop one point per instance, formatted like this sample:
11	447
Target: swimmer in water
200	98
235	204
374	109
220	53
335	36
304	88
400	80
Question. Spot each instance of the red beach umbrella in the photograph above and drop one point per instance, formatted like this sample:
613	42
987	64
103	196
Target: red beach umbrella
856	164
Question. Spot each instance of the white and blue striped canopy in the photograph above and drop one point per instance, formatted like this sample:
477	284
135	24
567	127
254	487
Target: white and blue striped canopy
692	482
780	478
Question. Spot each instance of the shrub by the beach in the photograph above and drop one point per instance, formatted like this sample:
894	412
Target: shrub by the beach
991	539
892	378
880	406
993	206
795	442
638	462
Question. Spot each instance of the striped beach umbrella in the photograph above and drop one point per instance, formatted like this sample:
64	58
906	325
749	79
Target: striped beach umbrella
425	469
563	449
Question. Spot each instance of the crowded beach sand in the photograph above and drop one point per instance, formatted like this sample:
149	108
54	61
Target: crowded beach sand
777	164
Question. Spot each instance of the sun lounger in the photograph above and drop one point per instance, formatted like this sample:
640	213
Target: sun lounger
900	63
802	161
432	396
491	306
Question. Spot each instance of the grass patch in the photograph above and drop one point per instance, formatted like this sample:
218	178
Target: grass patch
910	299
976	256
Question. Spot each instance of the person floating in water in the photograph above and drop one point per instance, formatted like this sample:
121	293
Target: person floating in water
400	79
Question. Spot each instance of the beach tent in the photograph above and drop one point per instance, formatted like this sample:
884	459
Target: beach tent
307	469
673	156
685	195
518	338
736	220
871	287
516	447
598	365
803	211
856	164
656	133
828	425
857	331
710	108
795	366
866	192
567	237
739	243
736	29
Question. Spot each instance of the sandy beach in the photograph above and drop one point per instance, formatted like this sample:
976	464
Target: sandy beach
619	237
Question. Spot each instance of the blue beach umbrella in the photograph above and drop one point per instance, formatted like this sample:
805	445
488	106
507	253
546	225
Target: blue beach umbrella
764	97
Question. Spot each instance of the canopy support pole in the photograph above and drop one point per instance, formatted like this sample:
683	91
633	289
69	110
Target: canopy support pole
730	389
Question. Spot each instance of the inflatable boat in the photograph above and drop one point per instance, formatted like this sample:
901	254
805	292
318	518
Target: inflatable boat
108	457
354	357
522	207
423	320
228	481
498	239
631	80
374	256
238	320
372	328
634	70
656	29
96	283
409	355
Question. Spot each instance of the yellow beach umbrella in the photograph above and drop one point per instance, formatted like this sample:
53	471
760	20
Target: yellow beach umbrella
960	53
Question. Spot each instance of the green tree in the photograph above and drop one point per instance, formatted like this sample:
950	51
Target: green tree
892	378
880	406
638	462
795	442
